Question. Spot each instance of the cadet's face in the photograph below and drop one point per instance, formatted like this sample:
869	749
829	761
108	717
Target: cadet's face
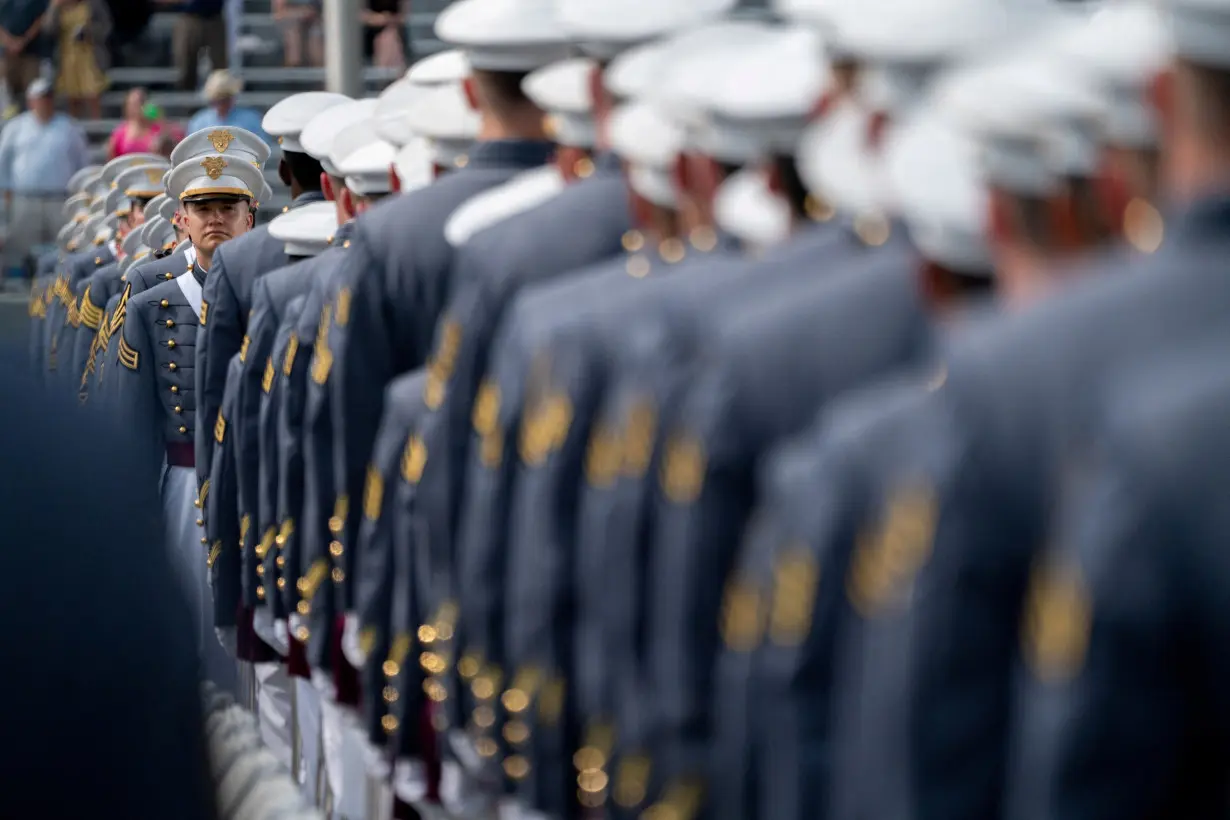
136	216
212	223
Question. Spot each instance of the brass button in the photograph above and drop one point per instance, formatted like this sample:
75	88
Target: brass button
281	561
171	344
178	409
204	541
260	593
281	583
172	366
167	276
170	323
260	570
335	549
182	431
338	575
166	303
196	503
175	388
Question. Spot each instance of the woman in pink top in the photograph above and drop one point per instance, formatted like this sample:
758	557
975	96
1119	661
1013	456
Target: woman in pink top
139	132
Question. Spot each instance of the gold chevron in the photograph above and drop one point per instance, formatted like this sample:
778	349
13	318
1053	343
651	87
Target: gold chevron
128	357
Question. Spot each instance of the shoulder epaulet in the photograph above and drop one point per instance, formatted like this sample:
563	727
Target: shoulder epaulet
519	194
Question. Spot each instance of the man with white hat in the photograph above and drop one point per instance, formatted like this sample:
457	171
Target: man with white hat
1026	392
583	224
228	292
390	292
240	580
153	378
135	187
144	275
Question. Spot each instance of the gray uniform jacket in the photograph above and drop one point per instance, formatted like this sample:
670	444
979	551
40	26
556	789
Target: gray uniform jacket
1022	394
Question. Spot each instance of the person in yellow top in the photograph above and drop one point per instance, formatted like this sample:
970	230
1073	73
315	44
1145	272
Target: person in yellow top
80	29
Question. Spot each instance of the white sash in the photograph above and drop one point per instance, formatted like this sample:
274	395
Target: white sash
190	254
192	290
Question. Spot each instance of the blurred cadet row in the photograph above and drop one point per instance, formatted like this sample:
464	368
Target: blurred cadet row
645	410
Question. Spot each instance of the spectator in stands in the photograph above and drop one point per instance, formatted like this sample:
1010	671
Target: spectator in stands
79	29
39	151
221	89
21	22
200	27
300	24
384	33
142	127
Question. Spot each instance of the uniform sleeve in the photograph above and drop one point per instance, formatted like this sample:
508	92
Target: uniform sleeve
219	338
290	467
223	528
320	556
456	364
360	350
274	559
85	343
1104	722
254	362
108	342
373	587
136	387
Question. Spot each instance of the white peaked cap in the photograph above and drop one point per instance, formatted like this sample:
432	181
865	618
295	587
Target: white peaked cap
157	233
218	175
765	95
449	66
221	139
78	181
318	135
562	90
604	28
524	191
442	112
835	164
1123	45
1200	31
287	118
367	168
134	243
413	165
117	202
932	168
1027	100
746	209
306	230
645	70
388	119
921	32
76	205
504	35
649	140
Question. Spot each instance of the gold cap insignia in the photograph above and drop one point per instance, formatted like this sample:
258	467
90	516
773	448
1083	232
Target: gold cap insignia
154	175
221	140
213	166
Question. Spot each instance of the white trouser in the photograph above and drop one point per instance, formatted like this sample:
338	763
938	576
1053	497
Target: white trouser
273	704
307	705
184	537
344	763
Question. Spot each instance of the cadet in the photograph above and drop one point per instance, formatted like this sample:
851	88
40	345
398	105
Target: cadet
94	237
1020	390
229	290
43	292
135	187
1126	606
140	277
242	417
585	223
392	287
153	380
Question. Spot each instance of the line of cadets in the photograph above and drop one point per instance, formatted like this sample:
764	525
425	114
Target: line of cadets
815	417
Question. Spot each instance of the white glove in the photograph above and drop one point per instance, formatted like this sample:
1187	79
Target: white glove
350	642
228	639
263	626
